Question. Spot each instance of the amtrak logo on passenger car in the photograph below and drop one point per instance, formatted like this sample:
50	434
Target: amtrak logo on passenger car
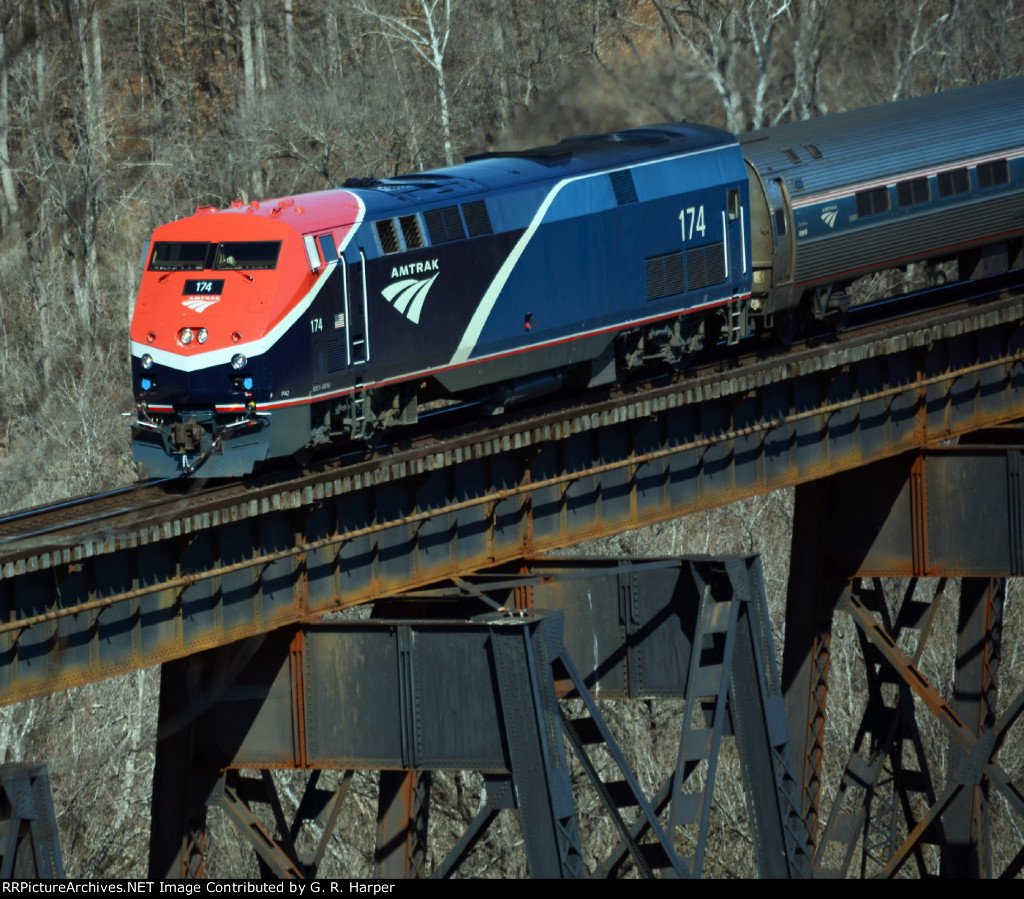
199	305
829	215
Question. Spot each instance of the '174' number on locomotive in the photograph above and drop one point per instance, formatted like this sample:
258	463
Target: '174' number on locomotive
695	216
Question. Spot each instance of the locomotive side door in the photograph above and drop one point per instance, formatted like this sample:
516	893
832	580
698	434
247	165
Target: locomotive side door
329	347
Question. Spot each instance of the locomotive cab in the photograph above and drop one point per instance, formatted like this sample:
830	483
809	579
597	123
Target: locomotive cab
218	290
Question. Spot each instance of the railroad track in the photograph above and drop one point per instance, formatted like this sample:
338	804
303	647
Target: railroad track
155	510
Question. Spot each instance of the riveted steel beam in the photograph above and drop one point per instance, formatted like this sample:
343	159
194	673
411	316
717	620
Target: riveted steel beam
940	513
411	696
949	510
207	573
29	843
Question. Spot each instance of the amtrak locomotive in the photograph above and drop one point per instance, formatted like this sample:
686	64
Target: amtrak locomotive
267	328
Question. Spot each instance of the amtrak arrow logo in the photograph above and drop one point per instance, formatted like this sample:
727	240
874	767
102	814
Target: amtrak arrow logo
408	295
199	305
829	216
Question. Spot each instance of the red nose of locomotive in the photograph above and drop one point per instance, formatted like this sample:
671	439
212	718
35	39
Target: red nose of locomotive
220	290
214	283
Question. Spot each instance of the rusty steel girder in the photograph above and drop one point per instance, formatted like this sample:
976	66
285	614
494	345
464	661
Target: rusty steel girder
81	609
937	514
414	696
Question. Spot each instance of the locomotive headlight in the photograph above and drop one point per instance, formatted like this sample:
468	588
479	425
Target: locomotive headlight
185	335
238	361
202	335
146	361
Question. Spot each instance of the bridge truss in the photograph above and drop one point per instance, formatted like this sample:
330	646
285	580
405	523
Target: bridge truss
276	560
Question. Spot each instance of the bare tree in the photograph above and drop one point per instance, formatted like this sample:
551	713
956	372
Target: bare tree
427	33
737	49
8	23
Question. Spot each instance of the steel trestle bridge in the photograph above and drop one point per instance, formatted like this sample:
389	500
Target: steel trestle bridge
895	437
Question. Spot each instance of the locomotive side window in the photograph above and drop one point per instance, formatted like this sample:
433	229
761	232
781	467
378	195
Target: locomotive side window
733	203
328	248
953	182
872	202
249	254
178	257
991	174
913	192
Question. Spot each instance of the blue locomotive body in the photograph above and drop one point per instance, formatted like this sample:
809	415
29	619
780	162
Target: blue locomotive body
496	279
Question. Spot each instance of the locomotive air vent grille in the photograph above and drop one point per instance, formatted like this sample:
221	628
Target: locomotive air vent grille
411	231
444	225
477	220
664	276
387	236
791	155
335	355
622	184
705	265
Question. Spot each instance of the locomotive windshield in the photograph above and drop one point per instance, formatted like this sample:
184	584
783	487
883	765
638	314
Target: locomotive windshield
250	254
179	257
169	256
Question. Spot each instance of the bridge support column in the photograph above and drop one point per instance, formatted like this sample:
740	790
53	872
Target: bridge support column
883	544
975	696
29	843
402	812
480	695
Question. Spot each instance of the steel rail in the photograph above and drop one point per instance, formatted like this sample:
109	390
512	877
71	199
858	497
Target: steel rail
185	581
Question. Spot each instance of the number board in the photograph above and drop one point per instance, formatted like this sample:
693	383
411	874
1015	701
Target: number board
200	286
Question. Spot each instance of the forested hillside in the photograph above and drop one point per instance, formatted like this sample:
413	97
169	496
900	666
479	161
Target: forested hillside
117	115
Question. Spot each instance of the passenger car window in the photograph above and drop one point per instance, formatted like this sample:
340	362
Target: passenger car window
913	192
991	174
872	202
953	182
